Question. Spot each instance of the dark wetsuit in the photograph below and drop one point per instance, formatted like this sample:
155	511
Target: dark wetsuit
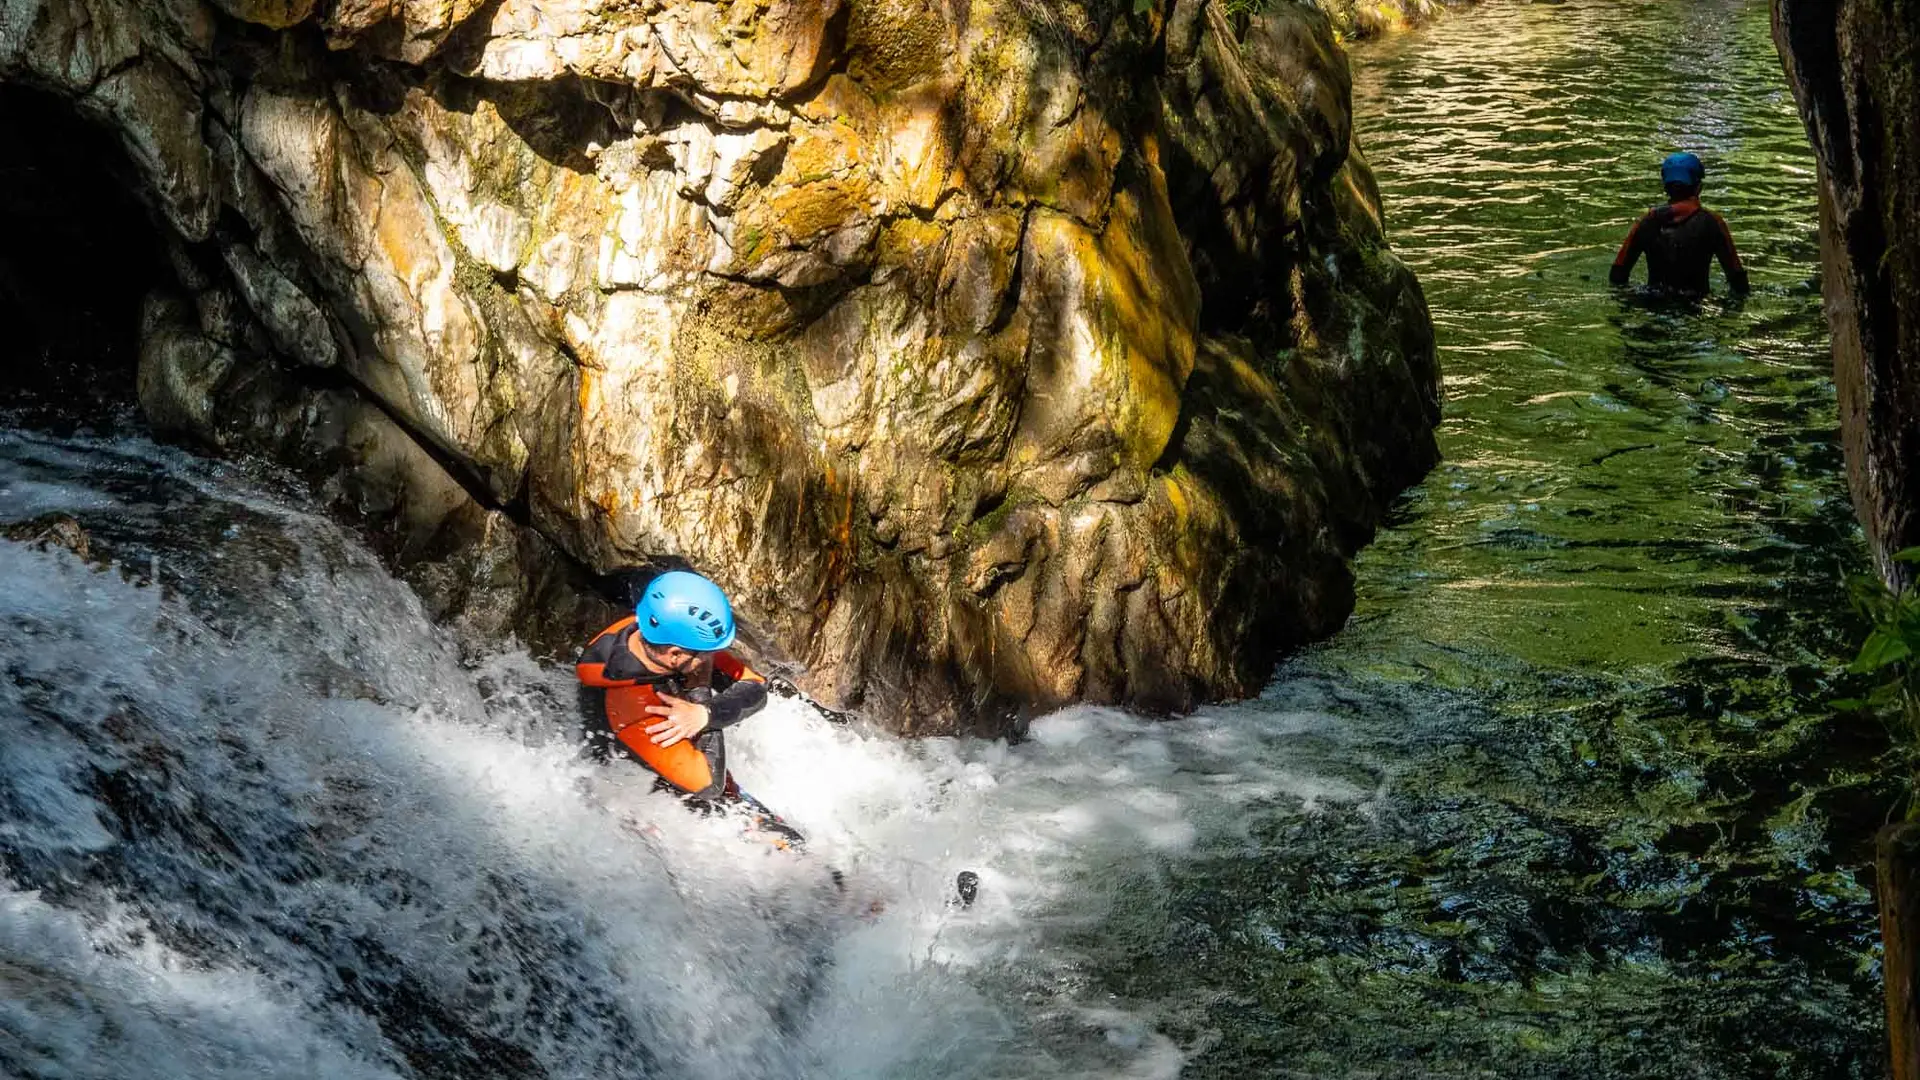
617	689
1680	241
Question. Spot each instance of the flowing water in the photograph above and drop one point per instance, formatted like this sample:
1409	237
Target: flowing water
1563	800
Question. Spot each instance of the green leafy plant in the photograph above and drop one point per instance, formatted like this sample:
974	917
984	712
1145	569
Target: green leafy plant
1892	651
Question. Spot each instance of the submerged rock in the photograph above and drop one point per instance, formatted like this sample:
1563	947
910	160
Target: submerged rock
1855	70
993	355
51	531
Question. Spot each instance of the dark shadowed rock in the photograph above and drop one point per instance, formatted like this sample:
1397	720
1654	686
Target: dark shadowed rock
1855	70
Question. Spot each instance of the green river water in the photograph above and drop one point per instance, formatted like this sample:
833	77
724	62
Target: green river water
1616	831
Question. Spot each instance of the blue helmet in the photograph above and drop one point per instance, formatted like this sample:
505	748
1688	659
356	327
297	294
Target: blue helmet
1683	169
679	608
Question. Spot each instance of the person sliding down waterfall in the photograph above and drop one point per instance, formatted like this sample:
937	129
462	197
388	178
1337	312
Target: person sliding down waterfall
1680	239
671	690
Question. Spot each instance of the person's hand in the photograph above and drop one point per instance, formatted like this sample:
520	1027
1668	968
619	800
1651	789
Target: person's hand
683	720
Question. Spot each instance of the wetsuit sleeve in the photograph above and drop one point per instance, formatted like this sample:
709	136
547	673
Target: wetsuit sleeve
1730	264
746	694
1630	250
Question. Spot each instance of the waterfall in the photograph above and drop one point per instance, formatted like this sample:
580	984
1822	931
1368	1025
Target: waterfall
260	817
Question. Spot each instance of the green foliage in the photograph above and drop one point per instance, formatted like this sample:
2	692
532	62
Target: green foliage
1890	650
1891	655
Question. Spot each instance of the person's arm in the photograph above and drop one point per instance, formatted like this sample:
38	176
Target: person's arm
746	695
1629	254
1730	264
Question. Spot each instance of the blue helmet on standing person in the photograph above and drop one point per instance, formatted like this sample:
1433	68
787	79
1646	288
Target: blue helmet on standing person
1683	171
686	610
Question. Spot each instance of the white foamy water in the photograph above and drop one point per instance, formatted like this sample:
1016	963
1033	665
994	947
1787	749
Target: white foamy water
264	820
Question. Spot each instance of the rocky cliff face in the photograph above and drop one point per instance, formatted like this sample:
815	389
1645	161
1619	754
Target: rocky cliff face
1855	70
993	354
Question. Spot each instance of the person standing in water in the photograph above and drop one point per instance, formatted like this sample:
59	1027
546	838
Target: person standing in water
671	689
1682	238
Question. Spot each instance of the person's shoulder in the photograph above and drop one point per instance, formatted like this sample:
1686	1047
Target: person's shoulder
610	638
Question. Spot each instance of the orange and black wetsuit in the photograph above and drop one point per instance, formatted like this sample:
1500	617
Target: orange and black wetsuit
1680	241
696	767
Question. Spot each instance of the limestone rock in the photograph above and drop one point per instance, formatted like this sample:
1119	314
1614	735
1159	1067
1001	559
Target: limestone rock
1371	18
758	49
994	355
299	328
181	369
157	113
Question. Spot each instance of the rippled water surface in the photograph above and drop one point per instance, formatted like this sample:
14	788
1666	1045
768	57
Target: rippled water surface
1563	800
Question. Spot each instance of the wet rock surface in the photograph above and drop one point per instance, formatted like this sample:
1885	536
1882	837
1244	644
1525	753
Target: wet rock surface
51	531
992	355
1854	74
1371	18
